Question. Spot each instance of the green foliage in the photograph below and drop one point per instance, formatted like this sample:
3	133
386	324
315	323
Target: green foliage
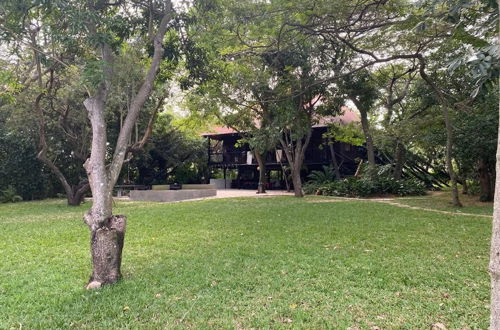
172	156
21	170
9	195
380	182
356	187
93	73
322	177
348	133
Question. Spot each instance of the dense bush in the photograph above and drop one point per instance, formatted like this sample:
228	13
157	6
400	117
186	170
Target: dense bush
367	185
356	187
20	168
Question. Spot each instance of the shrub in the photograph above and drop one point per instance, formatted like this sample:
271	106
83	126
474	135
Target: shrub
350	187
372	181
322	177
355	187
310	188
9	195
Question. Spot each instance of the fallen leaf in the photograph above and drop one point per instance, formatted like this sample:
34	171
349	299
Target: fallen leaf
438	326
158	295
126	308
286	320
293	306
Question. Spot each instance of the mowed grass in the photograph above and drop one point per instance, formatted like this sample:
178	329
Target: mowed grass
248	263
441	200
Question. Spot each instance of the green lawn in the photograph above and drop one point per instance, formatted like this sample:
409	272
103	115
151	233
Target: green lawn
248	263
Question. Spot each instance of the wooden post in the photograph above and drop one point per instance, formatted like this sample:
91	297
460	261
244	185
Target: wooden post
225	186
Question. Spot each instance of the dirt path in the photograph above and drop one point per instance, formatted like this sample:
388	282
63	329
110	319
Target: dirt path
229	193
394	202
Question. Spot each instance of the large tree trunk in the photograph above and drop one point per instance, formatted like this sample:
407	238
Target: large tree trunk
106	246
485	182
108	231
494	266
449	158
261	188
399	161
297	183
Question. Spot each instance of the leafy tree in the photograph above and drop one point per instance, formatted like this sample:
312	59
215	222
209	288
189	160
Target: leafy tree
172	155
99	33
360	88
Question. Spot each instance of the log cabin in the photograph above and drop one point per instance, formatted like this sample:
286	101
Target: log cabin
227	154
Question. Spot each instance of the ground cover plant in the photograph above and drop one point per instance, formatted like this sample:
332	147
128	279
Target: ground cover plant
241	263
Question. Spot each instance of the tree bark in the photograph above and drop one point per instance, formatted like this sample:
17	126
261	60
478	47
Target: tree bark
261	188
106	246
445	104
494	266
295	156
449	157
335	164
365	125
108	231
399	161
465	187
485	182
297	183
74	195
78	193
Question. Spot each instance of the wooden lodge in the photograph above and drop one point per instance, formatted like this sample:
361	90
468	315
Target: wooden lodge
228	154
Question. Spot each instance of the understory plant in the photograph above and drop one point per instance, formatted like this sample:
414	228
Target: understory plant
9	195
375	182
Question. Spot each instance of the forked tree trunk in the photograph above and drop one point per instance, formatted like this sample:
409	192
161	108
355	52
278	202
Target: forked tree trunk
261	188
295	156
494	266
108	231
